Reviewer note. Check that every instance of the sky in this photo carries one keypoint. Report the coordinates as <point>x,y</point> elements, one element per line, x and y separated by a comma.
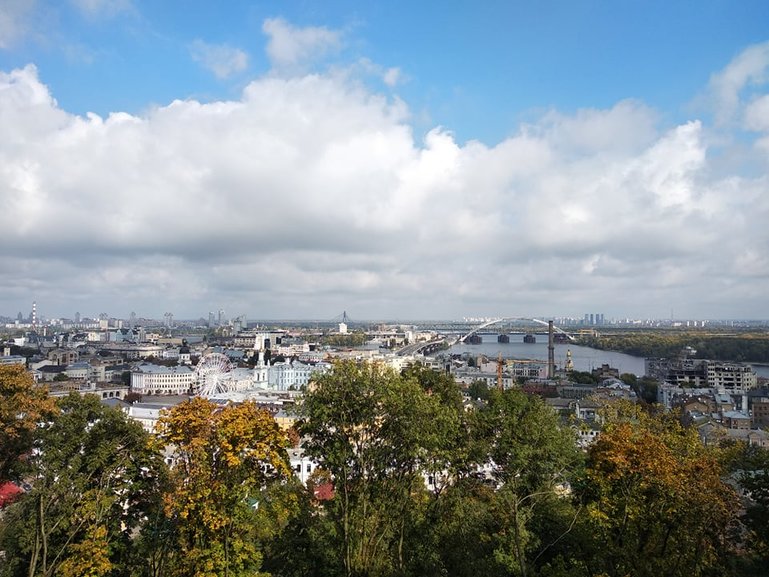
<point>394,160</point>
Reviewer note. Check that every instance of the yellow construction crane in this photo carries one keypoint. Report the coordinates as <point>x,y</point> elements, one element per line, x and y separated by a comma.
<point>500,364</point>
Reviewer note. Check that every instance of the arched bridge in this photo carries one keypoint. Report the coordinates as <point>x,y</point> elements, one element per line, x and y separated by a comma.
<point>442,342</point>
<point>500,320</point>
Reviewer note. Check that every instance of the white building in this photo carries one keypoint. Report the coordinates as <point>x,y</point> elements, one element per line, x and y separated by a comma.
<point>302,465</point>
<point>293,375</point>
<point>149,379</point>
<point>80,370</point>
<point>13,360</point>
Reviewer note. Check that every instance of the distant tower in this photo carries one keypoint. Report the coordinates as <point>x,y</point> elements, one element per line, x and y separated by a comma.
<point>569,363</point>
<point>77,317</point>
<point>550,351</point>
<point>33,316</point>
<point>132,320</point>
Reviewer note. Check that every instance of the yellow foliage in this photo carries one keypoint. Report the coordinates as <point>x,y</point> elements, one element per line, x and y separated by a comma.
<point>224,458</point>
<point>89,558</point>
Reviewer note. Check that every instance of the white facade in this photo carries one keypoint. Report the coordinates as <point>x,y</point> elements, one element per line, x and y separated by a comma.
<point>302,465</point>
<point>80,371</point>
<point>293,375</point>
<point>171,353</point>
<point>13,360</point>
<point>149,379</point>
<point>146,415</point>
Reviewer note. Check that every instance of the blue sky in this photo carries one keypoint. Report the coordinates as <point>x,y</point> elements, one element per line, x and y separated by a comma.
<point>476,68</point>
<point>579,155</point>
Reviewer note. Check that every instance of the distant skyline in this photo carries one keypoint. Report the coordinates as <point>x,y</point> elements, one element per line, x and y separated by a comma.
<point>396,160</point>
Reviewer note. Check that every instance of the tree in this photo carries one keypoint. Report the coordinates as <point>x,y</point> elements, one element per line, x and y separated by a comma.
<point>224,459</point>
<point>531,459</point>
<point>23,405</point>
<point>95,476</point>
<point>656,500</point>
<point>749,465</point>
<point>478,389</point>
<point>375,432</point>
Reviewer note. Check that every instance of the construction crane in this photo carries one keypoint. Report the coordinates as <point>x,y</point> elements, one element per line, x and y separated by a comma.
<point>500,364</point>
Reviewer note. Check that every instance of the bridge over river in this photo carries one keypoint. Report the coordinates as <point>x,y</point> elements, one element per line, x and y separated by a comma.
<point>447,341</point>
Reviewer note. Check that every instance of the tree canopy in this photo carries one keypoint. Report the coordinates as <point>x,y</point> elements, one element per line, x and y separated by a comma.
<point>411,480</point>
<point>23,405</point>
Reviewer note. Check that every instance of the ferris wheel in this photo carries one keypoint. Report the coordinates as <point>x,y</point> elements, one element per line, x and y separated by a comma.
<point>212,371</point>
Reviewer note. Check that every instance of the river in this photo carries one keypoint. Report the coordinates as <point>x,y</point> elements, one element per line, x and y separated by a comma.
<point>584,358</point>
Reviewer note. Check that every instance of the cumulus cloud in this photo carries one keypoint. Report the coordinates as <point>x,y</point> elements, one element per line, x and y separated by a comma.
<point>222,60</point>
<point>289,46</point>
<point>311,194</point>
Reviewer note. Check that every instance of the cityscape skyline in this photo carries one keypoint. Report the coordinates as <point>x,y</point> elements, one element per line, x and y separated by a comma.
<point>221,318</point>
<point>292,161</point>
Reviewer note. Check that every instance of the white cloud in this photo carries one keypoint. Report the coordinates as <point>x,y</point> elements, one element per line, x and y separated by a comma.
<point>14,20</point>
<point>103,8</point>
<point>222,60</point>
<point>757,114</point>
<point>749,68</point>
<point>289,46</point>
<point>392,76</point>
<point>310,194</point>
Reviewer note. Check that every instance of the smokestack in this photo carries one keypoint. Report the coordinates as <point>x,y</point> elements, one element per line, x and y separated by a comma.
<point>550,351</point>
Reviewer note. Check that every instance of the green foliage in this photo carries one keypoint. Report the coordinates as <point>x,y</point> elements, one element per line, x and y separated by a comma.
<point>582,378</point>
<point>355,339</point>
<point>749,466</point>
<point>669,344</point>
<point>533,459</point>
<point>371,429</point>
<point>509,493</point>
<point>95,476</point>
<point>478,390</point>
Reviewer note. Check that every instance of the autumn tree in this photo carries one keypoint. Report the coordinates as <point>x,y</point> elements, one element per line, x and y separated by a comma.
<point>95,475</point>
<point>656,500</point>
<point>224,460</point>
<point>23,405</point>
